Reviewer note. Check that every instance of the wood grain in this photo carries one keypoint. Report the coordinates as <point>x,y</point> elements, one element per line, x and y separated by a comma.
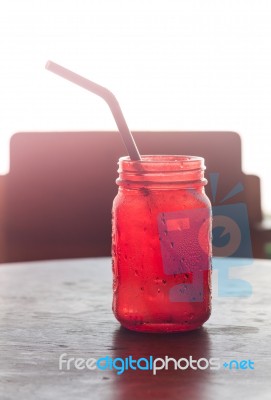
<point>53,307</point>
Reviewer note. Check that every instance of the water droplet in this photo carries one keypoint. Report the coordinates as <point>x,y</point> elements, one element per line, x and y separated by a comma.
<point>158,290</point>
<point>142,288</point>
<point>172,244</point>
<point>144,191</point>
<point>164,281</point>
<point>183,289</point>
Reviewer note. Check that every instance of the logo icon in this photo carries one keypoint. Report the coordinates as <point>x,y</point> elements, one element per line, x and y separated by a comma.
<point>184,239</point>
<point>231,240</point>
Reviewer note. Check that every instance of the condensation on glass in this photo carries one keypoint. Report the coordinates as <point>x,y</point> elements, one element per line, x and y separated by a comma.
<point>161,244</point>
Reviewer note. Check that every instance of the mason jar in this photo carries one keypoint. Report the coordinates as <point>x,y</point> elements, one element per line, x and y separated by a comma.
<point>161,244</point>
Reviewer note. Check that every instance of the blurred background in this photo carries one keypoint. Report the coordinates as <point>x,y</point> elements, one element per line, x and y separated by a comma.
<point>173,65</point>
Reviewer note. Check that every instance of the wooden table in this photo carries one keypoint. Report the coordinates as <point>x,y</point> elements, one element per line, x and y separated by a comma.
<point>54,307</point>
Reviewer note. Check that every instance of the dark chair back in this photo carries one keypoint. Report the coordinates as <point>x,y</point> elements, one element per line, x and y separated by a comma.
<point>60,188</point>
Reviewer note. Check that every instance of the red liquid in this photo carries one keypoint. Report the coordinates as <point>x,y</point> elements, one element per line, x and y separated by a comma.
<point>161,256</point>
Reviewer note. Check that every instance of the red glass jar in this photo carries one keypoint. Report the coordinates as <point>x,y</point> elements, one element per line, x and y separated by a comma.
<point>161,244</point>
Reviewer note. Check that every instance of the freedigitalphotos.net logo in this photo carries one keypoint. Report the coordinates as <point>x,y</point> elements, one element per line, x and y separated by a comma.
<point>120,365</point>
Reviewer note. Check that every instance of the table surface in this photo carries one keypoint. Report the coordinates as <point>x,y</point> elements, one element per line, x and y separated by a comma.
<point>53,307</point>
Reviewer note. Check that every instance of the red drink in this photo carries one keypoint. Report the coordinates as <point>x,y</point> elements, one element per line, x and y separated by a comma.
<point>161,244</point>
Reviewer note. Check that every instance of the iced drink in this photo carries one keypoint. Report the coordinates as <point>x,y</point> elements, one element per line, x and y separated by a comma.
<point>161,244</point>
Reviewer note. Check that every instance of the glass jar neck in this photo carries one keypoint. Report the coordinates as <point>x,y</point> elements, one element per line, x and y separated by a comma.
<point>162,171</point>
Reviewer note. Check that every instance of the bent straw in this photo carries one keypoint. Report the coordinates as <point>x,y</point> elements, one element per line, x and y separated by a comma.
<point>109,98</point>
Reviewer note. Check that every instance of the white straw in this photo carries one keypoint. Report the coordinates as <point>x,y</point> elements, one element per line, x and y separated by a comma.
<point>108,97</point>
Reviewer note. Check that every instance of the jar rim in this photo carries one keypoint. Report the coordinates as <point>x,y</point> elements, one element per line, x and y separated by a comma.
<point>162,170</point>
<point>156,158</point>
<point>160,162</point>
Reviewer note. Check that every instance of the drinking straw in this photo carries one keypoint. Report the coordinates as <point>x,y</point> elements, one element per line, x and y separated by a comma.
<point>109,98</point>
